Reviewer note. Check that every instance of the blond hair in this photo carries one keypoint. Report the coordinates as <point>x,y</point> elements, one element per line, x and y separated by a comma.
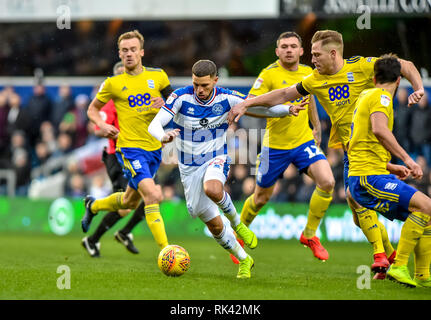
<point>329,37</point>
<point>131,35</point>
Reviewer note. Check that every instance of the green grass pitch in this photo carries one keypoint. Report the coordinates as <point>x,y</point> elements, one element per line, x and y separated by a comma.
<point>284,270</point>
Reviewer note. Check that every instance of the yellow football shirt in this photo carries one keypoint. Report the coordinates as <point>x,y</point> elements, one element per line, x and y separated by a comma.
<point>288,132</point>
<point>131,95</point>
<point>366,154</point>
<point>338,94</point>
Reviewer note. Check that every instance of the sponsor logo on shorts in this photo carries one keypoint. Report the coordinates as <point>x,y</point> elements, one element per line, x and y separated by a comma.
<point>136,164</point>
<point>391,186</point>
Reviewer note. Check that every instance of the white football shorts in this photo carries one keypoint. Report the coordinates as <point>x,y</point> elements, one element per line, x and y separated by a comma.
<point>198,203</point>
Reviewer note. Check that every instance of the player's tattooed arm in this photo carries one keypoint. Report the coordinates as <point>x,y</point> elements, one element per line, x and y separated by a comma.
<point>268,99</point>
<point>315,121</point>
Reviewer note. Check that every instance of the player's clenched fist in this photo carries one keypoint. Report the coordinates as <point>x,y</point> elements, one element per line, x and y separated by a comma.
<point>416,170</point>
<point>109,131</point>
<point>416,96</point>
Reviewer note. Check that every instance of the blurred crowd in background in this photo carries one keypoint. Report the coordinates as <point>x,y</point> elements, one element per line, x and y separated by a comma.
<point>43,129</point>
<point>239,47</point>
<point>57,53</point>
<point>46,129</point>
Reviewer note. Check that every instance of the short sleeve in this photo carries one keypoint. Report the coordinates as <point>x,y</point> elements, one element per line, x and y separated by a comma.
<point>307,84</point>
<point>164,81</point>
<point>382,103</point>
<point>261,85</point>
<point>172,104</point>
<point>367,66</point>
<point>105,93</point>
<point>235,97</point>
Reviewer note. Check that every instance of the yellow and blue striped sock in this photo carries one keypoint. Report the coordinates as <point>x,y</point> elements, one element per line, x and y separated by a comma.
<point>411,232</point>
<point>155,223</point>
<point>319,203</point>
<point>249,211</point>
<point>423,255</point>
<point>113,202</point>
<point>369,225</point>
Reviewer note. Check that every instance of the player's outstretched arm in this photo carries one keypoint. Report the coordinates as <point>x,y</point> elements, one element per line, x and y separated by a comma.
<point>268,99</point>
<point>106,130</point>
<point>278,111</point>
<point>156,127</point>
<point>315,121</point>
<point>411,73</point>
<point>379,125</point>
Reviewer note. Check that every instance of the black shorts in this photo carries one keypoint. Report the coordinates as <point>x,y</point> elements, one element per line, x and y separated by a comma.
<point>115,172</point>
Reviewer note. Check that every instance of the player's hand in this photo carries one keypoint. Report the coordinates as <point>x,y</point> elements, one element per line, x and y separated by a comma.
<point>236,112</point>
<point>109,131</point>
<point>170,135</point>
<point>415,97</point>
<point>415,169</point>
<point>158,102</point>
<point>294,109</point>
<point>401,172</point>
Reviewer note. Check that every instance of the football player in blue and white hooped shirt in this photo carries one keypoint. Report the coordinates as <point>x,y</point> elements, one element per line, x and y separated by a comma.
<point>199,114</point>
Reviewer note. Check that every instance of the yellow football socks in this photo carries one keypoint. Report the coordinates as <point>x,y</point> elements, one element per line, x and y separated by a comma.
<point>411,232</point>
<point>389,249</point>
<point>369,225</point>
<point>423,255</point>
<point>319,203</point>
<point>249,211</point>
<point>155,223</point>
<point>111,203</point>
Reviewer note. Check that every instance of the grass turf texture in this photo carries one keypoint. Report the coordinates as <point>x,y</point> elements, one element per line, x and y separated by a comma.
<point>283,270</point>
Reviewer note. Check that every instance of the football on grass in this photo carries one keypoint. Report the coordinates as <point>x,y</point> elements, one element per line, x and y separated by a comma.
<point>174,260</point>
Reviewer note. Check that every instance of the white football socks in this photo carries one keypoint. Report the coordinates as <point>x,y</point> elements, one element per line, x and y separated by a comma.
<point>228,241</point>
<point>226,205</point>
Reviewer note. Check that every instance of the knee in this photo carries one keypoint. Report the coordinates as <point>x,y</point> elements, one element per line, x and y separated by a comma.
<point>327,185</point>
<point>215,194</point>
<point>154,196</point>
<point>427,208</point>
<point>123,212</point>
<point>216,229</point>
<point>215,226</point>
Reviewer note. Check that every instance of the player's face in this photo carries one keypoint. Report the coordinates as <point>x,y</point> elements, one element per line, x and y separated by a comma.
<point>131,53</point>
<point>322,58</point>
<point>289,51</point>
<point>204,86</point>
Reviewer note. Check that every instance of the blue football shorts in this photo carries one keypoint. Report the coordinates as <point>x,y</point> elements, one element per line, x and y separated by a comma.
<point>138,164</point>
<point>385,194</point>
<point>273,162</point>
